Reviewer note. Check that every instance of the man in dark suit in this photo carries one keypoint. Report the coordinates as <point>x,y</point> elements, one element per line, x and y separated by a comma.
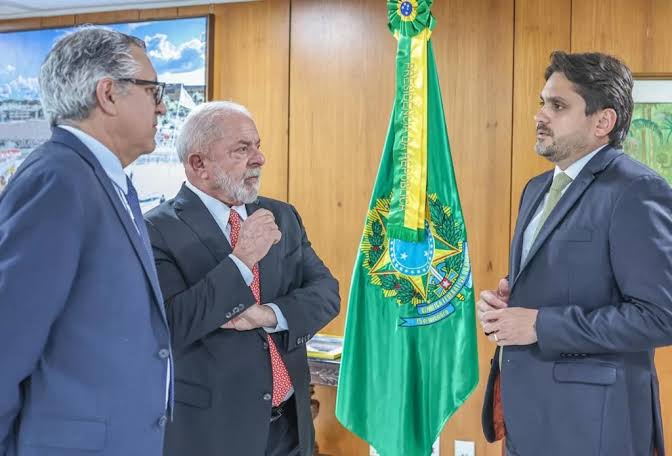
<point>244,292</point>
<point>589,292</point>
<point>84,342</point>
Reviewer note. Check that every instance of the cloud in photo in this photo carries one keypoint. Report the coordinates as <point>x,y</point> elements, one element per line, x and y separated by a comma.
<point>21,89</point>
<point>169,58</point>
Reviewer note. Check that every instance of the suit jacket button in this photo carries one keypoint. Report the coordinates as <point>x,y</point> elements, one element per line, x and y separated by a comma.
<point>163,420</point>
<point>268,397</point>
<point>164,353</point>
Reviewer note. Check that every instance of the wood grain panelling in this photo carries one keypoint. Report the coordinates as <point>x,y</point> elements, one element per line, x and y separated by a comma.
<point>251,58</point>
<point>541,27</point>
<point>58,21</point>
<point>341,93</point>
<point>108,18</point>
<point>20,24</point>
<point>473,42</point>
<point>342,90</point>
<point>638,31</point>
<point>199,10</point>
<point>157,13</point>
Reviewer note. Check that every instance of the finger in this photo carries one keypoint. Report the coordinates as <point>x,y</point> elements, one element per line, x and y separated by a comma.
<point>261,214</point>
<point>503,288</point>
<point>493,300</point>
<point>485,307</point>
<point>227,325</point>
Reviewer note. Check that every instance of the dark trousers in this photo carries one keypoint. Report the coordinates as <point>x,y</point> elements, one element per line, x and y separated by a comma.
<point>283,438</point>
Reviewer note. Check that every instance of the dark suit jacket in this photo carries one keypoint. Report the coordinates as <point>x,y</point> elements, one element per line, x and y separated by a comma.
<point>600,273</point>
<point>223,377</point>
<point>82,324</point>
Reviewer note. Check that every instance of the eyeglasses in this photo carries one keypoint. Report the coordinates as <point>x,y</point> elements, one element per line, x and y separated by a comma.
<point>158,89</point>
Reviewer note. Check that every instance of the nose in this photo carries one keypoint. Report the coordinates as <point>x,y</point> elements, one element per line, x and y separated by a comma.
<point>161,108</point>
<point>540,116</point>
<point>258,158</point>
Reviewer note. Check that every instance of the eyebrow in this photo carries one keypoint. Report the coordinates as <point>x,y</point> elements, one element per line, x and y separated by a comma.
<point>553,100</point>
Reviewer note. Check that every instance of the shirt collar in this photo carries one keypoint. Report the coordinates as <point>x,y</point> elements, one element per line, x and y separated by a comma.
<point>218,209</point>
<point>575,168</point>
<point>110,162</point>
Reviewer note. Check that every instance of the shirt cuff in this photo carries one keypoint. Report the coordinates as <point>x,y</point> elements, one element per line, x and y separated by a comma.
<point>244,270</point>
<point>282,321</point>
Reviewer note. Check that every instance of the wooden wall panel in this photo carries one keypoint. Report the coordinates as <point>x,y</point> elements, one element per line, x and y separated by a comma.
<point>341,93</point>
<point>251,58</point>
<point>342,89</point>
<point>57,21</point>
<point>638,31</point>
<point>473,42</point>
<point>108,18</point>
<point>541,27</point>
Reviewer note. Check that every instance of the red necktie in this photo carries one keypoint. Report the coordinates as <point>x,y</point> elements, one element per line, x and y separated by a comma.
<point>282,383</point>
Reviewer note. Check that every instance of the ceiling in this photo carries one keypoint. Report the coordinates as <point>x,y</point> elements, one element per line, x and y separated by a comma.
<point>11,9</point>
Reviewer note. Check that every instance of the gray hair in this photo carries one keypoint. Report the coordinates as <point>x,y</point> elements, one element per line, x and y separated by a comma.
<point>76,63</point>
<point>202,127</point>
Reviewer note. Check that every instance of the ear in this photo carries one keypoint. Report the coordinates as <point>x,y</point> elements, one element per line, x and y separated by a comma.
<point>606,121</point>
<point>107,96</point>
<point>197,165</point>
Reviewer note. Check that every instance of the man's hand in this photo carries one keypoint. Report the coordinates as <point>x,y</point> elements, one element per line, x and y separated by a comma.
<point>257,234</point>
<point>504,325</point>
<point>493,299</point>
<point>511,326</point>
<point>254,317</point>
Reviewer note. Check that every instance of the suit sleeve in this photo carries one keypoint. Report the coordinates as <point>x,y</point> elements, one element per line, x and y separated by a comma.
<point>195,311</point>
<point>309,307</point>
<point>640,239</point>
<point>41,235</point>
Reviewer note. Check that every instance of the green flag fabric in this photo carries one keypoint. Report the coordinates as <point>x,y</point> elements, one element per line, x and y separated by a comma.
<point>410,356</point>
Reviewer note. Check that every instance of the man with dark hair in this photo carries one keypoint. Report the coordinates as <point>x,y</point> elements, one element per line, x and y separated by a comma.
<point>588,296</point>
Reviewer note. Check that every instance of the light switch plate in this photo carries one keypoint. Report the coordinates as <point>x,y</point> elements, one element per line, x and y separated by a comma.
<point>465,448</point>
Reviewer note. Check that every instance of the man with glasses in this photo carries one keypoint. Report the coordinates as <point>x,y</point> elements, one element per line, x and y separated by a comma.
<point>84,342</point>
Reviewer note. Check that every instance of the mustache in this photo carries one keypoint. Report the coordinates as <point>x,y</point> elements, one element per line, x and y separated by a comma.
<point>544,130</point>
<point>255,172</point>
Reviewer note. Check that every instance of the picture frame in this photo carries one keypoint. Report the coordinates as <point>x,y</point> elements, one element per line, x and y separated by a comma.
<point>180,51</point>
<point>650,137</point>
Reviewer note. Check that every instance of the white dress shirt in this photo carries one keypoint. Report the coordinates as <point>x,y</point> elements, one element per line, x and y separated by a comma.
<point>572,171</point>
<point>112,167</point>
<point>220,212</point>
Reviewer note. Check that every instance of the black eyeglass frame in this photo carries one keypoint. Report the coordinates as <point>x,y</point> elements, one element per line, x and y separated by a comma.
<point>159,90</point>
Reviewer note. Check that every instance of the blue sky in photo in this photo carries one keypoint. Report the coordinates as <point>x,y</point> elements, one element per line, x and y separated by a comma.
<point>175,47</point>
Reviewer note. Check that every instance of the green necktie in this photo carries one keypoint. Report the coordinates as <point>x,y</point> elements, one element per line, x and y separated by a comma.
<point>560,181</point>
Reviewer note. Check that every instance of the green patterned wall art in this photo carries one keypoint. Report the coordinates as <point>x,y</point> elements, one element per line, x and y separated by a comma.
<point>650,136</point>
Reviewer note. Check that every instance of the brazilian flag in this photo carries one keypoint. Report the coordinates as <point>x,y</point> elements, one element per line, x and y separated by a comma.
<point>410,357</point>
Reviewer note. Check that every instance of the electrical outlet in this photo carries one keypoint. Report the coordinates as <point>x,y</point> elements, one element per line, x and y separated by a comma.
<point>465,448</point>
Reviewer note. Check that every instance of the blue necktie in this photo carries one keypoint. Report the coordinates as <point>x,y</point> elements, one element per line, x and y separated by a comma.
<point>134,203</point>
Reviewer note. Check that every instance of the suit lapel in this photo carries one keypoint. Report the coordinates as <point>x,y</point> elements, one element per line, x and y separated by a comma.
<point>70,140</point>
<point>571,197</point>
<point>193,212</point>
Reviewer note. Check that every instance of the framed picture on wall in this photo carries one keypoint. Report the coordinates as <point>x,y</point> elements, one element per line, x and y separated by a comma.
<point>650,136</point>
<point>178,49</point>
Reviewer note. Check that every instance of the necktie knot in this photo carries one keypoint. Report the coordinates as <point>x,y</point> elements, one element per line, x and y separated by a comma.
<point>560,181</point>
